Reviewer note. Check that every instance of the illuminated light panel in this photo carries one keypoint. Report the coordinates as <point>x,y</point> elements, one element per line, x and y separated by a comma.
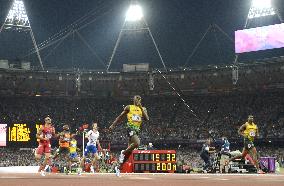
<point>17,16</point>
<point>134,13</point>
<point>260,8</point>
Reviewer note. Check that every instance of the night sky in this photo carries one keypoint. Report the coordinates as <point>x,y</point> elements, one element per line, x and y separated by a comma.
<point>177,26</point>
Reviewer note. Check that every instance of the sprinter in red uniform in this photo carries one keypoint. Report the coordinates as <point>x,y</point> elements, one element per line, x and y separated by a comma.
<point>44,135</point>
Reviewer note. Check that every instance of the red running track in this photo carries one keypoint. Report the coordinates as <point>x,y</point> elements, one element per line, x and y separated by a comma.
<point>142,179</point>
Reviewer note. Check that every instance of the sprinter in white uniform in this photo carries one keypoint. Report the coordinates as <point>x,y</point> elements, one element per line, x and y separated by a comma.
<point>91,149</point>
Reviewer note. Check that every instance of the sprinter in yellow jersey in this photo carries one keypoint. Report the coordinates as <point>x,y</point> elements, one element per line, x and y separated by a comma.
<point>73,148</point>
<point>73,157</point>
<point>135,114</point>
<point>249,131</point>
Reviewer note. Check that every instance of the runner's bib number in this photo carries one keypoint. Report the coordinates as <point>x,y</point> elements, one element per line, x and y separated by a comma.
<point>131,133</point>
<point>66,139</point>
<point>252,133</point>
<point>136,118</point>
<point>48,135</point>
<point>250,145</point>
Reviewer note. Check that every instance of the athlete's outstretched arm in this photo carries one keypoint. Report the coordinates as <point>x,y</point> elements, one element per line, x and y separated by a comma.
<point>39,133</point>
<point>145,114</point>
<point>88,134</point>
<point>144,111</point>
<point>53,131</point>
<point>257,132</point>
<point>99,145</point>
<point>242,129</point>
<point>120,117</point>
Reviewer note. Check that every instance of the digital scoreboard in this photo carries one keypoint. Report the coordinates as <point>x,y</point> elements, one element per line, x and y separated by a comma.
<point>153,161</point>
<point>19,135</point>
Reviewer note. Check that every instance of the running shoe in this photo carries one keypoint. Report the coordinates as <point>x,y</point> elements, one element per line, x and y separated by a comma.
<point>260,172</point>
<point>42,173</point>
<point>117,171</point>
<point>79,171</point>
<point>92,170</point>
<point>121,157</point>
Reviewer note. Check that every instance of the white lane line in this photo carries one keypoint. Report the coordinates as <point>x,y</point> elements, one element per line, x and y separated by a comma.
<point>11,177</point>
<point>222,179</point>
<point>140,178</point>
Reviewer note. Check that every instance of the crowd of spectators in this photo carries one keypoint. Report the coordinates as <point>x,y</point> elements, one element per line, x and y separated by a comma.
<point>170,119</point>
<point>16,157</point>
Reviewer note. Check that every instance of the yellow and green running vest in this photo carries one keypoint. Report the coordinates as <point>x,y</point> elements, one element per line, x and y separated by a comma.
<point>134,117</point>
<point>250,131</point>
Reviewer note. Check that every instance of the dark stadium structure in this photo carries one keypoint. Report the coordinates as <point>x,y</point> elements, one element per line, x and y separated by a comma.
<point>208,90</point>
<point>84,63</point>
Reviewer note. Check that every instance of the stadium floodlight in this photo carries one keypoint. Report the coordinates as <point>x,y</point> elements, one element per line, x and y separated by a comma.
<point>261,4</point>
<point>134,22</point>
<point>260,8</point>
<point>134,13</point>
<point>17,17</point>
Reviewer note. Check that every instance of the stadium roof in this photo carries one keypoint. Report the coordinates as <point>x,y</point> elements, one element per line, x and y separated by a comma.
<point>177,25</point>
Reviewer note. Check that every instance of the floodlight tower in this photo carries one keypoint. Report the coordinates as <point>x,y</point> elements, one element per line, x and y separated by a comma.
<point>258,8</point>
<point>17,20</point>
<point>134,21</point>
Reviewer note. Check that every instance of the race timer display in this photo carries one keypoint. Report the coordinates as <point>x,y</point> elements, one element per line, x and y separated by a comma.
<point>154,160</point>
